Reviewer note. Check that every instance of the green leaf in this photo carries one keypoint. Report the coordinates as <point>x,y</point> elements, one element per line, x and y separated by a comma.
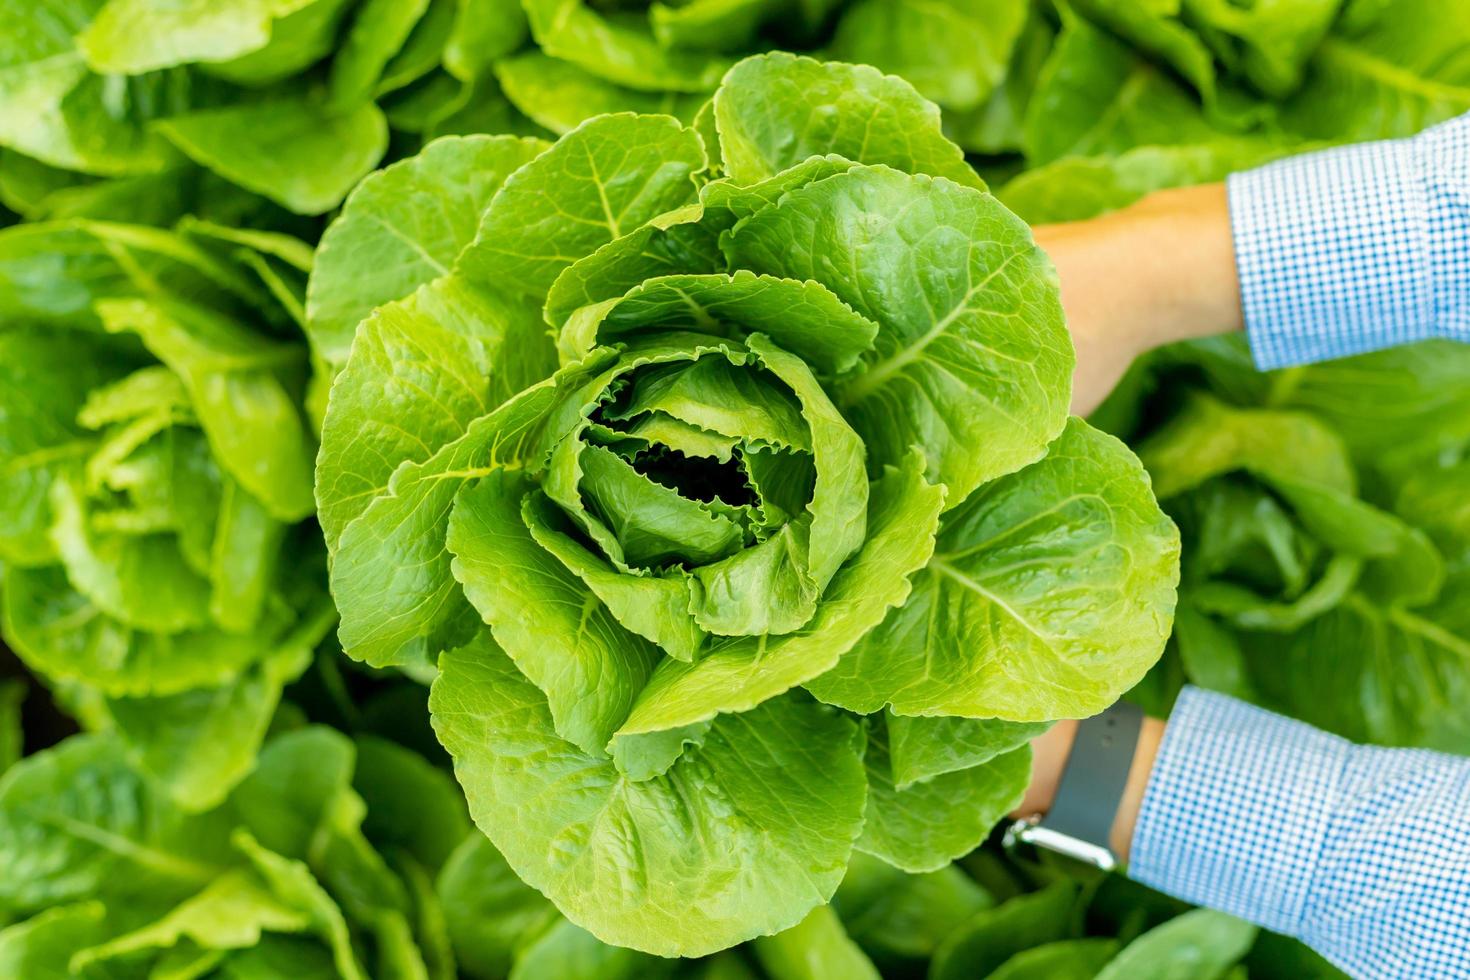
<point>994,935</point>
<point>921,748</point>
<point>391,578</point>
<point>231,912</point>
<point>305,34</point>
<point>77,822</point>
<point>411,804</point>
<point>243,564</point>
<point>52,109</point>
<point>1392,80</point>
<point>716,25</point>
<point>996,125</point>
<point>293,885</point>
<point>45,377</point>
<point>654,524</point>
<point>655,607</point>
<point>421,53</point>
<point>893,914</point>
<point>1201,943</point>
<point>1208,439</point>
<point>953,52</point>
<point>484,32</point>
<point>61,635</point>
<point>201,742</point>
<point>1152,29</point>
<point>569,952</point>
<point>555,629</point>
<point>233,376</point>
<point>1393,408</point>
<point>804,318</point>
<point>669,244</point>
<point>1096,97</point>
<point>1009,567</point>
<point>561,96</point>
<point>379,30</point>
<point>130,37</point>
<point>141,580</point>
<point>789,768</point>
<point>12,735</point>
<point>724,397</point>
<point>1078,188</point>
<point>1271,43</point>
<point>926,825</point>
<point>292,151</point>
<point>949,370</point>
<point>815,948</point>
<point>445,355</point>
<point>618,50</point>
<point>774,111</point>
<point>602,180</point>
<point>1211,654</point>
<point>1069,959</point>
<point>401,228</point>
<point>53,273</point>
<point>1369,673</point>
<point>279,956</point>
<point>738,673</point>
<point>490,912</point>
<point>41,947</point>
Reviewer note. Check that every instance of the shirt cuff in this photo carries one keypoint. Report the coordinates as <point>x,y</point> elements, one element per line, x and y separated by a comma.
<point>1237,809</point>
<point>1355,248</point>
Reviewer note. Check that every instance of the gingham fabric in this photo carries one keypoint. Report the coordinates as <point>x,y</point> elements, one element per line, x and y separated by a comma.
<point>1363,853</point>
<point>1355,248</point>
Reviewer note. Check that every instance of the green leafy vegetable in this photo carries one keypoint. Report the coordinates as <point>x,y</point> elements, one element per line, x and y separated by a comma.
<point>771,387</point>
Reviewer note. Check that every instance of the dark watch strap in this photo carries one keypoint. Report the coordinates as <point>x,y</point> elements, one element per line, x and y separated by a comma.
<point>1096,775</point>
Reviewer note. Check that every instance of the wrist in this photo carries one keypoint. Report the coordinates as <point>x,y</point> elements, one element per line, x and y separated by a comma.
<point>1051,752</point>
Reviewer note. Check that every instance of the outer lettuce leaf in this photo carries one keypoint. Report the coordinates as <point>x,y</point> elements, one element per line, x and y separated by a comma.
<point>695,882</point>
<point>304,157</point>
<point>953,53</point>
<point>924,826</point>
<point>775,111</point>
<point>1009,569</point>
<point>405,225</point>
<point>940,373</point>
<point>561,96</point>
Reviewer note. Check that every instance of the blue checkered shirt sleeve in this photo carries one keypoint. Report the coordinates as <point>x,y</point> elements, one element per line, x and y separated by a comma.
<point>1355,248</point>
<point>1361,852</point>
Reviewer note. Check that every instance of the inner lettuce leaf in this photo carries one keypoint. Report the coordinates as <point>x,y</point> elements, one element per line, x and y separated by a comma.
<point>679,441</point>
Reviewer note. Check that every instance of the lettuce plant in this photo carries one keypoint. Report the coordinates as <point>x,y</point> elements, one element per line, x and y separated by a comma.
<point>158,469</point>
<point>719,432</point>
<point>1282,554</point>
<point>312,867</point>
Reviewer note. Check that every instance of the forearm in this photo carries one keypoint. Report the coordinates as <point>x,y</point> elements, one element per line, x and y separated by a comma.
<point>1362,852</point>
<point>1159,271</point>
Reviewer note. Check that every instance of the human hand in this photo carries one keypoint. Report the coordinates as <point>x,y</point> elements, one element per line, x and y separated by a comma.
<point>1153,273</point>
